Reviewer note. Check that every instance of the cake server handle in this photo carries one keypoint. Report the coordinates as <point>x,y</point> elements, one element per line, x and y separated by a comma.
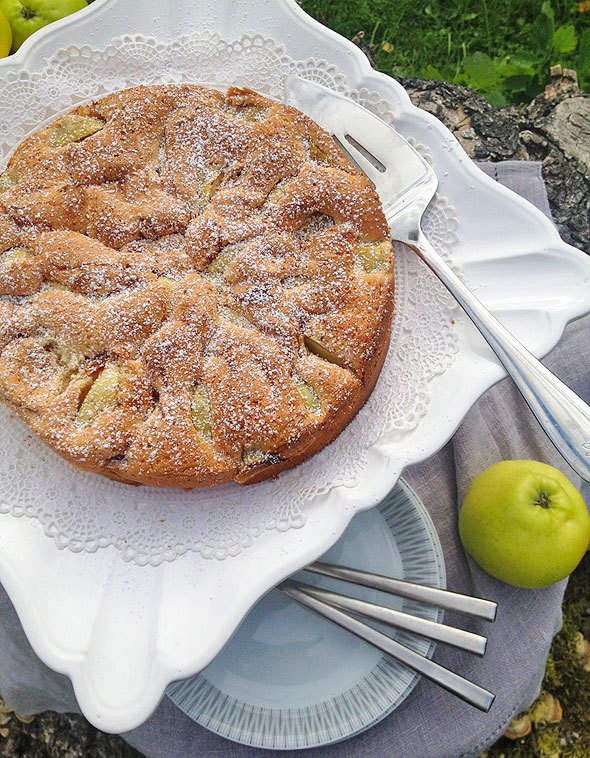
<point>562,414</point>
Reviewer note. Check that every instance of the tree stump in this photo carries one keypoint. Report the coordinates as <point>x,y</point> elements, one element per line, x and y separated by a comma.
<point>553,129</point>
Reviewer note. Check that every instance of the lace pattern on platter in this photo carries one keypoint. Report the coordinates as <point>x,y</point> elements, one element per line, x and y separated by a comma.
<point>84,512</point>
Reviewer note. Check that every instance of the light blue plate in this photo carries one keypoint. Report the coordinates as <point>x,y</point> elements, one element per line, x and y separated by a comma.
<point>290,679</point>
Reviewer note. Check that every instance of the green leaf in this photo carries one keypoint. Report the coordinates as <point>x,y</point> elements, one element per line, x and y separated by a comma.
<point>524,61</point>
<point>497,98</point>
<point>481,71</point>
<point>513,68</point>
<point>583,65</point>
<point>564,39</point>
<point>514,85</point>
<point>431,72</point>
<point>542,28</point>
<point>547,11</point>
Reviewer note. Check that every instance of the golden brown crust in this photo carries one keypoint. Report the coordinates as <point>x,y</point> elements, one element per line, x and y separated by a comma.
<point>194,287</point>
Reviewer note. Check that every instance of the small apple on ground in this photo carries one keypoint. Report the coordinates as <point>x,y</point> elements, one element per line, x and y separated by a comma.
<point>5,36</point>
<point>26,16</point>
<point>525,523</point>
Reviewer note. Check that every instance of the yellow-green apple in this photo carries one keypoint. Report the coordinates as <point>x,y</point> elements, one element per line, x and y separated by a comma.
<point>26,16</point>
<point>5,36</point>
<point>525,523</point>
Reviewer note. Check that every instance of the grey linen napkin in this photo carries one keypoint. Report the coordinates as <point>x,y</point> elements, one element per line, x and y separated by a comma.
<point>430,723</point>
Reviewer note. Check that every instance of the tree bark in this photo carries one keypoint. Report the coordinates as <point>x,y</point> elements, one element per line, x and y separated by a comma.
<point>553,129</point>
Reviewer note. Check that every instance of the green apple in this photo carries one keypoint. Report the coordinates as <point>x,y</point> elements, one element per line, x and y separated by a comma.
<point>26,16</point>
<point>525,523</point>
<point>5,36</point>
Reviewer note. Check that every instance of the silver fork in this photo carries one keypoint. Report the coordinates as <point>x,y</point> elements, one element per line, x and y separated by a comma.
<point>406,184</point>
<point>338,608</point>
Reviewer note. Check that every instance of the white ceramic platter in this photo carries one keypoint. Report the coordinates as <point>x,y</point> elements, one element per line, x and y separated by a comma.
<point>123,631</point>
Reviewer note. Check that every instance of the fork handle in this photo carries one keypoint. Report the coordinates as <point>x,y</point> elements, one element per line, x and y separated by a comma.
<point>563,415</point>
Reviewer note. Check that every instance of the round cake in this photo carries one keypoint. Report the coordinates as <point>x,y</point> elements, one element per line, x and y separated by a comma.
<point>195,287</point>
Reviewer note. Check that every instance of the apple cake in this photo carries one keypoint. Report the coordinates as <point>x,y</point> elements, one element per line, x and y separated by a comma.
<point>195,286</point>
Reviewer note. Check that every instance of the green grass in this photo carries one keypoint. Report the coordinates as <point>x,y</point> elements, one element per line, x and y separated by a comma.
<point>501,48</point>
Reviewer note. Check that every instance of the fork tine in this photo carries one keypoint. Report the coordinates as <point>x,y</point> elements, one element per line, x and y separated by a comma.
<point>472,643</point>
<point>347,153</point>
<point>468,691</point>
<point>355,155</point>
<point>375,162</point>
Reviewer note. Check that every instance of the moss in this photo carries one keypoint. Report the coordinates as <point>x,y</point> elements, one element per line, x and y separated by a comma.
<point>566,679</point>
<point>552,674</point>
